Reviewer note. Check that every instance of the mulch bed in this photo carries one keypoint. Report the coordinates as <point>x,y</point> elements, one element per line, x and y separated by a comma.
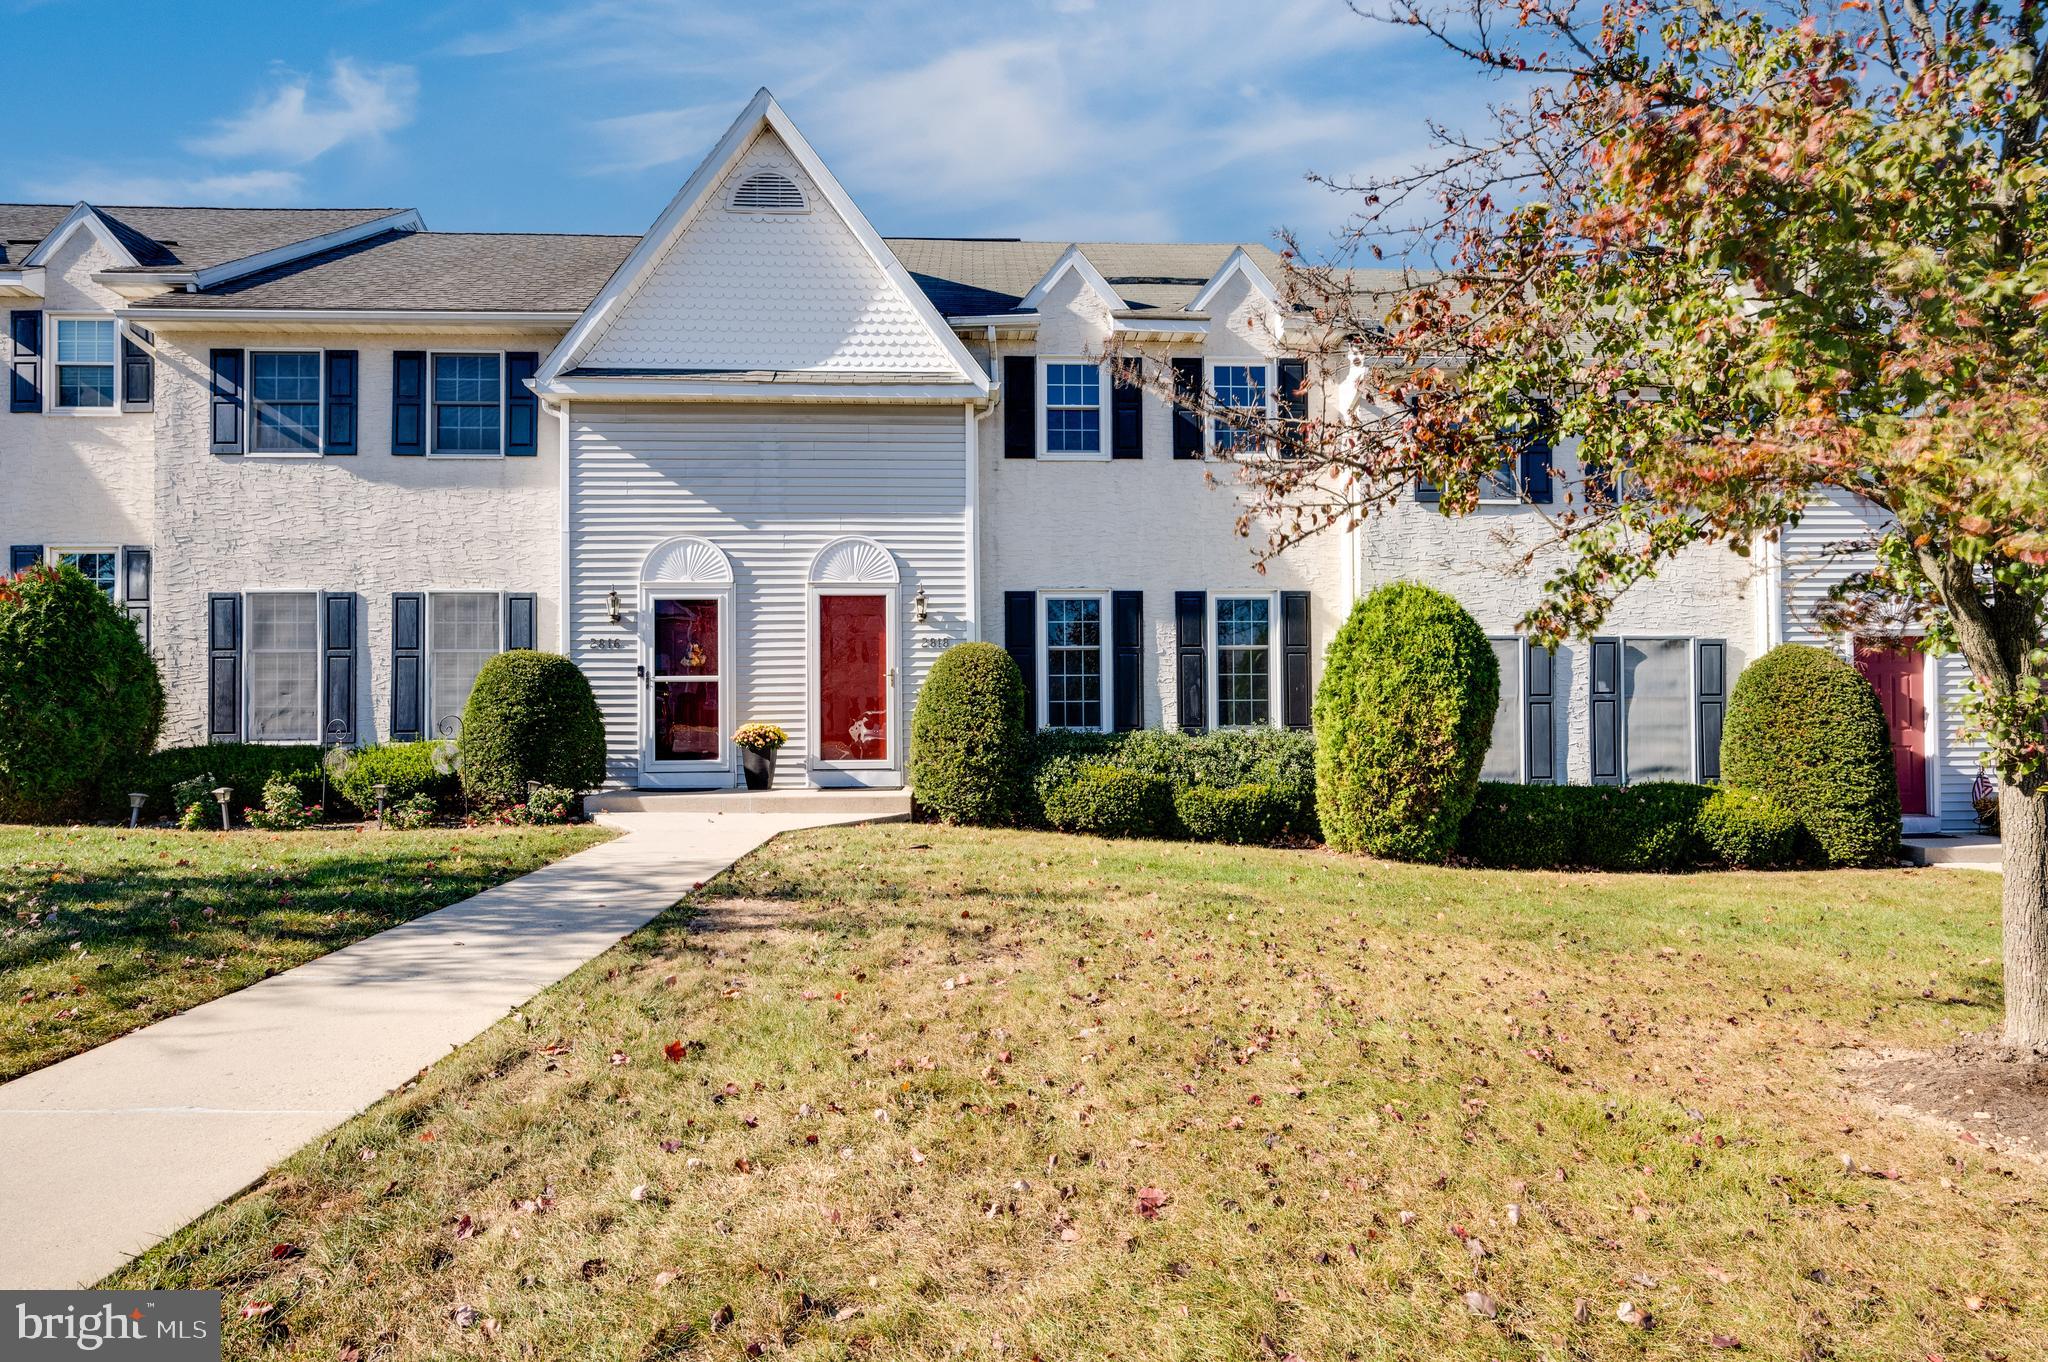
<point>1986,1093</point>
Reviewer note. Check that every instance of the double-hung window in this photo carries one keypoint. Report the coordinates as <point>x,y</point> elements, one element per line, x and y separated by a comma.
<point>85,362</point>
<point>100,566</point>
<point>1239,388</point>
<point>462,635</point>
<point>467,390</point>
<point>284,396</point>
<point>1656,706</point>
<point>1244,661</point>
<point>1075,661</point>
<point>284,666</point>
<point>1073,409</point>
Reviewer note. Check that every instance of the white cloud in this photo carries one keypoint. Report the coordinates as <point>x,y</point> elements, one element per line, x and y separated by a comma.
<point>639,141</point>
<point>297,123</point>
<point>112,186</point>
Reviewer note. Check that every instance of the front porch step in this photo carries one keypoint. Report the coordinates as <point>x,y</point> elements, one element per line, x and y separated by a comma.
<point>878,806</point>
<point>1972,850</point>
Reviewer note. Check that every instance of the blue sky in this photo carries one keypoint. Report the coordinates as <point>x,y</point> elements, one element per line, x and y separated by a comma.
<point>1065,119</point>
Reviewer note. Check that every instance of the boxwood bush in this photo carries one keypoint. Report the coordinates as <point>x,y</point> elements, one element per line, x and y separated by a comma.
<point>1526,827</point>
<point>531,716</point>
<point>1805,728</point>
<point>1403,718</point>
<point>1252,814</point>
<point>969,738</point>
<point>1658,825</point>
<point>80,699</point>
<point>1279,758</point>
<point>244,767</point>
<point>1642,827</point>
<point>1748,829</point>
<point>1110,801</point>
<point>405,769</point>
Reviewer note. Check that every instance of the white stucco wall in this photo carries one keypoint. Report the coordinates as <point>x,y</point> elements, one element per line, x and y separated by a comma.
<point>370,523</point>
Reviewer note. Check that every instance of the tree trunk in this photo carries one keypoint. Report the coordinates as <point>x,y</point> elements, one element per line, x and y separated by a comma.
<point>2023,828</point>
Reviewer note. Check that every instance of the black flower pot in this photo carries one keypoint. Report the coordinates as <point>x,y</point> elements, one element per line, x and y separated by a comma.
<point>759,767</point>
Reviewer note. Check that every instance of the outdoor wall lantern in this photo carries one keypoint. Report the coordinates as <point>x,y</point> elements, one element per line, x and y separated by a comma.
<point>223,793</point>
<point>611,606</point>
<point>919,607</point>
<point>135,802</point>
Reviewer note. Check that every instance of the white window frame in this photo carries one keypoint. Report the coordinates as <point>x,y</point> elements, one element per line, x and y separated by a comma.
<point>1209,369</point>
<point>1494,492</point>
<point>50,383</point>
<point>248,668</point>
<point>320,419</point>
<point>53,554</point>
<point>1108,655</point>
<point>428,718</point>
<point>432,434</point>
<point>1626,697</point>
<point>1102,411</point>
<point>1275,683</point>
<point>1521,702</point>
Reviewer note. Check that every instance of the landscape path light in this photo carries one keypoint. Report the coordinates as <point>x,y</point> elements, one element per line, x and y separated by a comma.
<point>223,793</point>
<point>136,800</point>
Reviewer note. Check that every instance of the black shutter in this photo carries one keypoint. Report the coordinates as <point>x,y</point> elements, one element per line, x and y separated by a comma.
<point>1127,413</point>
<point>25,361</point>
<point>408,639</point>
<point>519,621</point>
<point>1427,491</point>
<point>338,666</point>
<point>522,405</point>
<point>1295,694</point>
<point>1606,711</point>
<point>21,556</point>
<point>227,369</point>
<point>1290,403</point>
<point>1536,469</point>
<point>138,372</point>
<point>1020,406</point>
<point>1187,423</point>
<point>339,430</point>
<point>1020,639</point>
<point>1539,716</point>
<point>409,402</point>
<point>224,666</point>
<point>135,583</point>
<point>1191,654</point>
<point>1127,674</point>
<point>1713,703</point>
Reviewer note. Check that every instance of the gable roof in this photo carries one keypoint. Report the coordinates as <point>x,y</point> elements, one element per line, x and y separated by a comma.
<point>968,277</point>
<point>160,238</point>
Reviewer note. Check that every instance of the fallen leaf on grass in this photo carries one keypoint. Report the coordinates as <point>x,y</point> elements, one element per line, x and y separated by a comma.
<point>1482,1305</point>
<point>674,1051</point>
<point>1723,1341</point>
<point>1150,1199</point>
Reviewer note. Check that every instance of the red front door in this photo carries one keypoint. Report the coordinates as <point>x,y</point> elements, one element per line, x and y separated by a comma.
<point>1899,676</point>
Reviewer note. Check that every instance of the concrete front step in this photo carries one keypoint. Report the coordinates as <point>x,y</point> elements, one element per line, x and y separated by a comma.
<point>875,806</point>
<point>1975,852</point>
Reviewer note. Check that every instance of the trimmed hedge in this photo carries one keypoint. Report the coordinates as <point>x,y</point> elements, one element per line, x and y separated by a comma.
<point>1279,758</point>
<point>531,716</point>
<point>1403,718</point>
<point>1110,801</point>
<point>80,699</point>
<point>969,738</point>
<point>1748,829</point>
<point>1804,727</point>
<point>245,767</point>
<point>1643,827</point>
<point>1658,825</point>
<point>404,768</point>
<point>1252,814</point>
<point>1526,827</point>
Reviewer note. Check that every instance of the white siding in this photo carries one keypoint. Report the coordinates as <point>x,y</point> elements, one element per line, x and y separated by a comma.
<point>770,486</point>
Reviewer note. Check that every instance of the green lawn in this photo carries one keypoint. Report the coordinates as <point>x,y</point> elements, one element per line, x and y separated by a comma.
<point>906,1092</point>
<point>106,930</point>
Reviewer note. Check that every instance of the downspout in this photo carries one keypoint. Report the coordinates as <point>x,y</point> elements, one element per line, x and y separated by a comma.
<point>564,609</point>
<point>973,515</point>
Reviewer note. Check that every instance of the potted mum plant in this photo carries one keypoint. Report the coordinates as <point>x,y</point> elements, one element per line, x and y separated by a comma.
<point>758,744</point>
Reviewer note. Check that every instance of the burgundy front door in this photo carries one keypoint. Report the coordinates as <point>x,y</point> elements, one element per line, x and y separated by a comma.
<point>1899,676</point>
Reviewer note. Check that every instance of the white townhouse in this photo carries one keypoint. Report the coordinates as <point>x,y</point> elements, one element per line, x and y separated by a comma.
<point>758,463</point>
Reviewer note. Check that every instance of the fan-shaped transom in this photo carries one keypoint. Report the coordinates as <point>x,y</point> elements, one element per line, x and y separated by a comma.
<point>853,561</point>
<point>687,561</point>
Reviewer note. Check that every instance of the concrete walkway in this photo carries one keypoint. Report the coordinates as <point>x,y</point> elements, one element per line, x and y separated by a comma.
<point>107,1152</point>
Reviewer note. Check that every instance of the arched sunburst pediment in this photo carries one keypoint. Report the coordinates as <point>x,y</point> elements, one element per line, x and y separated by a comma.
<point>687,561</point>
<point>853,561</point>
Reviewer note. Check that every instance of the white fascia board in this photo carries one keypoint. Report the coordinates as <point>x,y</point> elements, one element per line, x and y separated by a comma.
<point>405,220</point>
<point>83,215</point>
<point>385,318</point>
<point>18,284</point>
<point>1164,326</point>
<point>1002,321</point>
<point>1238,262</point>
<point>1072,259</point>
<point>131,284</point>
<point>761,112</point>
<point>673,390</point>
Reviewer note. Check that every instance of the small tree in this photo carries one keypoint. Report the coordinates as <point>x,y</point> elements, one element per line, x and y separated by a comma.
<point>531,717</point>
<point>1402,720</point>
<point>80,700</point>
<point>969,739</point>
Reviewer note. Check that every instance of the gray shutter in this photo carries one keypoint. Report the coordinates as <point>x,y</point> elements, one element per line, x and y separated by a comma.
<point>338,666</point>
<point>519,622</point>
<point>409,402</point>
<point>408,645</point>
<point>138,372</point>
<point>25,361</point>
<point>1020,640</point>
<point>1127,675</point>
<point>338,431</point>
<point>1191,658</point>
<point>1605,711</point>
<point>1127,413</point>
<point>227,367</point>
<point>1713,705</point>
<point>1295,695</point>
<point>224,667</point>
<point>1541,713</point>
<point>1187,423</point>
<point>136,571</point>
<point>1020,406</point>
<point>21,556</point>
<point>522,405</point>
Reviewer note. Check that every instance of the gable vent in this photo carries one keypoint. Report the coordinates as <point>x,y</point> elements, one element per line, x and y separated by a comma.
<point>768,191</point>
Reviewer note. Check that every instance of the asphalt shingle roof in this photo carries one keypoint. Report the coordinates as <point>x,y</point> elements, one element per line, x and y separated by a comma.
<point>977,277</point>
<point>181,238</point>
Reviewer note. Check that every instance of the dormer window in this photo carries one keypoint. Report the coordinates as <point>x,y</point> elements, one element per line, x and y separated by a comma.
<point>768,191</point>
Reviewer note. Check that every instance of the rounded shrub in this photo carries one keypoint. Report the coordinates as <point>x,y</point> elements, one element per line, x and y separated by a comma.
<point>1111,802</point>
<point>404,769</point>
<point>80,700</point>
<point>1748,829</point>
<point>1252,814</point>
<point>530,717</point>
<point>1805,728</point>
<point>970,741</point>
<point>1402,721</point>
